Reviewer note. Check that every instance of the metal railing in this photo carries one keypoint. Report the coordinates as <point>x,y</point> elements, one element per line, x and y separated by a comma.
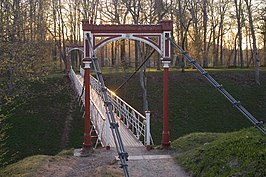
<point>137,123</point>
<point>77,83</point>
<point>132,119</point>
<point>98,116</point>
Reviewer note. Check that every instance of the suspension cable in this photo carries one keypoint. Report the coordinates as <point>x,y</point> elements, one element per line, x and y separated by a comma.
<point>123,155</point>
<point>124,83</point>
<point>220,88</point>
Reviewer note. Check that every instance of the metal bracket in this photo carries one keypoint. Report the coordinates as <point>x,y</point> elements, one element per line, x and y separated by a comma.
<point>259,123</point>
<point>124,155</point>
<point>237,103</point>
<point>114,125</point>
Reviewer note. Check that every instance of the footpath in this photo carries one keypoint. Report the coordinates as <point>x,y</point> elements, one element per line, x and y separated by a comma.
<point>141,163</point>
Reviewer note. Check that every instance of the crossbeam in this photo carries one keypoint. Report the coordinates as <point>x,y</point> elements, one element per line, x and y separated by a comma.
<point>165,25</point>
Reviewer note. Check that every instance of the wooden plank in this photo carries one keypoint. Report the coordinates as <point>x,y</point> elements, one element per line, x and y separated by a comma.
<point>129,140</point>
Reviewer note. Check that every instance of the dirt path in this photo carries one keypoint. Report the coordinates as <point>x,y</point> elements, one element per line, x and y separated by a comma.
<point>154,163</point>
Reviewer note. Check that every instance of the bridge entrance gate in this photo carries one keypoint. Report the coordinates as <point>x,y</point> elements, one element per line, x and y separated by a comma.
<point>157,36</point>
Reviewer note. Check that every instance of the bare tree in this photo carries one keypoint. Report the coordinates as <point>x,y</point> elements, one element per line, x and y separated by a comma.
<point>23,44</point>
<point>263,30</point>
<point>194,7</point>
<point>90,9</point>
<point>205,20</point>
<point>239,14</point>
<point>183,22</point>
<point>255,51</point>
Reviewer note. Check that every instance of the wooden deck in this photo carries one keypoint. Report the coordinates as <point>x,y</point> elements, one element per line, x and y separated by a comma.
<point>129,140</point>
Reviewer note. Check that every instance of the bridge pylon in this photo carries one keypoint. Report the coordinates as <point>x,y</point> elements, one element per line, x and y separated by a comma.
<point>165,135</point>
<point>157,36</point>
<point>87,142</point>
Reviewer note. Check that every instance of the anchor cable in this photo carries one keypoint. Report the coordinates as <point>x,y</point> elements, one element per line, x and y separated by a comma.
<point>123,155</point>
<point>146,59</point>
<point>220,88</point>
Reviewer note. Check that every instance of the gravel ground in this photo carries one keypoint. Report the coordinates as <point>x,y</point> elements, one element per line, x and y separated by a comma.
<point>154,167</point>
<point>103,163</point>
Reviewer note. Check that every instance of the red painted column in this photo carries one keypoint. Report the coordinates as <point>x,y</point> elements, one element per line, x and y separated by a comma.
<point>87,144</point>
<point>165,134</point>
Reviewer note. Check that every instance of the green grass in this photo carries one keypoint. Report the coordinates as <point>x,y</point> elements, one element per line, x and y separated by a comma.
<point>35,119</point>
<point>194,105</point>
<point>29,166</point>
<point>194,140</point>
<point>241,153</point>
<point>26,167</point>
<point>32,123</point>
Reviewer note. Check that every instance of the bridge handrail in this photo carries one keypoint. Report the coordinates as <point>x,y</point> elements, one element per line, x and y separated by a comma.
<point>76,81</point>
<point>99,122</point>
<point>81,71</point>
<point>98,110</point>
<point>93,79</point>
<point>97,117</point>
<point>134,120</point>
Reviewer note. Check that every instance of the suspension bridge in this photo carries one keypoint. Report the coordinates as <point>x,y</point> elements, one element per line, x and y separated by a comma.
<point>116,123</point>
<point>133,126</point>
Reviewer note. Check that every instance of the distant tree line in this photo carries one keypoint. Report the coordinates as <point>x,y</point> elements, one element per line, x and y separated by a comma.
<point>217,33</point>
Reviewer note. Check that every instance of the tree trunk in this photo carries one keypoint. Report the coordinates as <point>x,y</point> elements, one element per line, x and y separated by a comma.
<point>129,54</point>
<point>123,54</point>
<point>264,47</point>
<point>235,51</point>
<point>143,84</point>
<point>255,52</point>
<point>239,26</point>
<point>197,40</point>
<point>158,11</point>
<point>247,49</point>
<point>55,32</point>
<point>205,52</point>
<point>214,36</point>
<point>220,36</point>
<point>113,55</point>
<point>264,42</point>
<point>136,54</point>
<point>143,79</point>
<point>181,23</point>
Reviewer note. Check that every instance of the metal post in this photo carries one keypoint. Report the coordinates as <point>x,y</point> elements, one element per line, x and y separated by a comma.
<point>165,134</point>
<point>87,144</point>
<point>107,131</point>
<point>148,134</point>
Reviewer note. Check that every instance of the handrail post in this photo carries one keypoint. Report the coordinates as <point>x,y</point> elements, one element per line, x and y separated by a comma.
<point>148,134</point>
<point>107,129</point>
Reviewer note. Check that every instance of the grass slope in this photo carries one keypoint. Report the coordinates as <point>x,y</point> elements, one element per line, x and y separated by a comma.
<point>241,153</point>
<point>35,119</point>
<point>26,167</point>
<point>194,105</point>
